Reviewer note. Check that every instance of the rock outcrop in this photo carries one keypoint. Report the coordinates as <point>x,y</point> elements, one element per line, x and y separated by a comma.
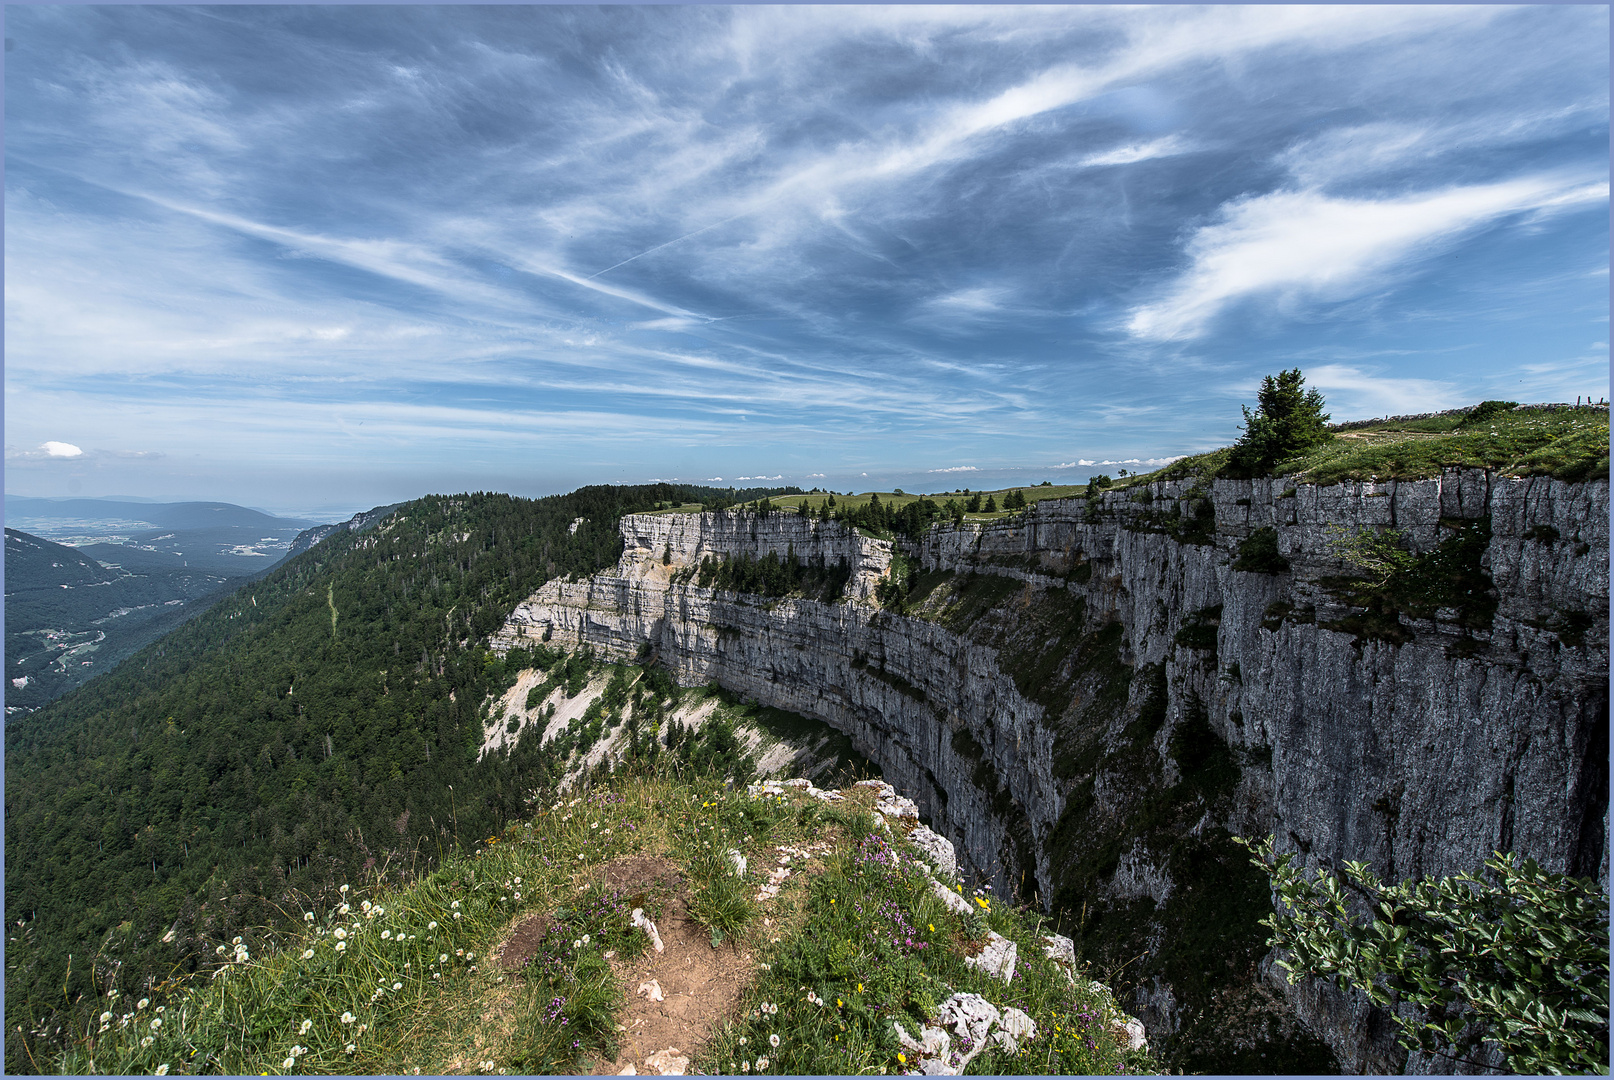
<point>1088,698</point>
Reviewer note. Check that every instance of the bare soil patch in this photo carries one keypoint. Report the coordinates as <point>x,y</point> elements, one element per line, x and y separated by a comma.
<point>700,985</point>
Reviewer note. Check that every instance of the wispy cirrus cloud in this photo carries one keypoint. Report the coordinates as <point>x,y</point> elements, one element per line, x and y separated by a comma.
<point>813,238</point>
<point>1297,246</point>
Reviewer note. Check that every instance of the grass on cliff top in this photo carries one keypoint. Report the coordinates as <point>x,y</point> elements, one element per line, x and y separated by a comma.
<point>1568,443</point>
<point>897,500</point>
<point>393,981</point>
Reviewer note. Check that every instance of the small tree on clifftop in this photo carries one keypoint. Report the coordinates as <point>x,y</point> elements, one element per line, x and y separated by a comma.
<point>1287,420</point>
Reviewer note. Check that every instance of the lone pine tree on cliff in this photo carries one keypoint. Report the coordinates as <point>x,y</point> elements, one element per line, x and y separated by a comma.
<point>1287,420</point>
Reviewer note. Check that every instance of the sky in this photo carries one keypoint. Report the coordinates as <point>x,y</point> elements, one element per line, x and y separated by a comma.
<point>315,259</point>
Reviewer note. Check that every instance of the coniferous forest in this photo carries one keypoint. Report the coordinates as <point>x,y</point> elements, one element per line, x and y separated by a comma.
<point>320,725</point>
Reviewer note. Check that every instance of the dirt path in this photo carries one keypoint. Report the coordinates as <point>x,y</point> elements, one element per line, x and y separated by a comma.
<point>675,999</point>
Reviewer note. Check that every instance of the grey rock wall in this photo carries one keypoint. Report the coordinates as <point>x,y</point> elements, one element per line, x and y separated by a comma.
<point>1421,754</point>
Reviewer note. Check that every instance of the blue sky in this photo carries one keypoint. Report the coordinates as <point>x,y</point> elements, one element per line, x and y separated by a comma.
<point>326,257</point>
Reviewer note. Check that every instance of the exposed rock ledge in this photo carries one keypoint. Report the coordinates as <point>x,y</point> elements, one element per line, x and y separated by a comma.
<point>1420,755</point>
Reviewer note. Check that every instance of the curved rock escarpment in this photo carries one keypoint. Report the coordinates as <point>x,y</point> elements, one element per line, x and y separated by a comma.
<point>1089,698</point>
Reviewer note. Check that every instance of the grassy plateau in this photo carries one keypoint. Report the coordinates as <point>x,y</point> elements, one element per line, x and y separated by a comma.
<point>422,979</point>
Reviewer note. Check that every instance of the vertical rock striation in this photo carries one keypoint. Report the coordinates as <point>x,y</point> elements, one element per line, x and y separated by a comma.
<point>1089,697</point>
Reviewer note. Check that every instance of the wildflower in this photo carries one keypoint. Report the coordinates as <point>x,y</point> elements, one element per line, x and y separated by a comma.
<point>461,952</point>
<point>143,1002</point>
<point>147,1041</point>
<point>437,974</point>
<point>105,1017</point>
<point>290,1062</point>
<point>386,935</point>
<point>343,889</point>
<point>303,1028</point>
<point>469,955</point>
<point>860,988</point>
<point>742,1040</point>
<point>762,1063</point>
<point>442,958</point>
<point>235,941</point>
<point>577,944</point>
<point>339,933</point>
<point>745,1066</point>
<point>363,1028</point>
<point>773,1041</point>
<point>902,1057</point>
<point>397,986</point>
<point>431,926</point>
<point>341,946</point>
<point>308,954</point>
<point>585,939</point>
<point>365,906</point>
<point>112,994</point>
<point>350,1047</point>
<point>517,881</point>
<point>162,1070</point>
<point>157,1023</point>
<point>932,927</point>
<point>455,904</point>
<point>344,909</point>
<point>308,916</point>
<point>457,915</point>
<point>347,1018</point>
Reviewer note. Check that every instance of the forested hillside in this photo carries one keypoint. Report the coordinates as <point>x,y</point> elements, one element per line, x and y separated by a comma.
<point>70,618</point>
<point>317,725</point>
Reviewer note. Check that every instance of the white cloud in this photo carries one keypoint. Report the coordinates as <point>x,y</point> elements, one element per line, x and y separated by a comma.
<point>1362,393</point>
<point>1304,245</point>
<point>1169,146</point>
<point>973,301</point>
<point>61,450</point>
<point>1148,462</point>
<point>957,468</point>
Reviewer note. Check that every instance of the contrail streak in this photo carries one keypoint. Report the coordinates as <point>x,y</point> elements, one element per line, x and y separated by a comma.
<point>669,243</point>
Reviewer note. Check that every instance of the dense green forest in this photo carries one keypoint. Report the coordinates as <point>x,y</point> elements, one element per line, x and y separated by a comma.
<point>318,726</point>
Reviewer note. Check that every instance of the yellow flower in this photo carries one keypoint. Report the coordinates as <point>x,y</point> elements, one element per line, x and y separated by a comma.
<point>902,1058</point>
<point>860,988</point>
<point>932,927</point>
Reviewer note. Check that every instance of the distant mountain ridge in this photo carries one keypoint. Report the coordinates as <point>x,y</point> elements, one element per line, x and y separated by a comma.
<point>360,522</point>
<point>175,515</point>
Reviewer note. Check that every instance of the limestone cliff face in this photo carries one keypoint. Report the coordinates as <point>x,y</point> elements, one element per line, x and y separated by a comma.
<point>1086,696</point>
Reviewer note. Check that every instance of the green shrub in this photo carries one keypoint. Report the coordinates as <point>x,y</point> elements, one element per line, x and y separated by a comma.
<point>1258,554</point>
<point>1515,961</point>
